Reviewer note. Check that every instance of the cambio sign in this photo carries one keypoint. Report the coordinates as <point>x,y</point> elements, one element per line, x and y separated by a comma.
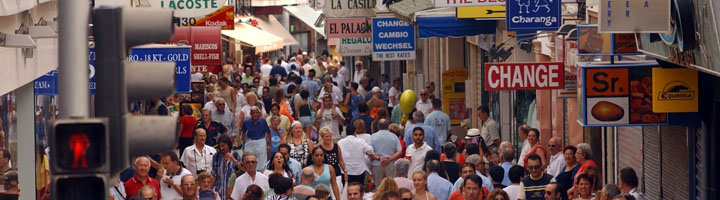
<point>524,76</point>
<point>189,8</point>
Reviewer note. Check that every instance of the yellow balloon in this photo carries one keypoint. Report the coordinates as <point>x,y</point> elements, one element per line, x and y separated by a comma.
<point>407,101</point>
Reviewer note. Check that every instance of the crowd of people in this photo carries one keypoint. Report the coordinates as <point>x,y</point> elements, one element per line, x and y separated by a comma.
<point>304,128</point>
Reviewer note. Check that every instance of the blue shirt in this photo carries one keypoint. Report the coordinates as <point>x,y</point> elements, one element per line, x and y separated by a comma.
<point>430,137</point>
<point>255,131</point>
<point>278,70</point>
<point>385,144</point>
<point>438,186</point>
<point>312,87</point>
<point>506,166</point>
<point>366,118</point>
<point>485,182</point>
<point>440,122</point>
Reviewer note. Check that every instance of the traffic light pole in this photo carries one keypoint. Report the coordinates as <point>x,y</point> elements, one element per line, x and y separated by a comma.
<point>73,78</point>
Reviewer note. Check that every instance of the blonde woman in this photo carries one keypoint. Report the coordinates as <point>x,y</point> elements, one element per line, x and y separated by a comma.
<point>419,179</point>
<point>333,154</point>
<point>387,184</point>
<point>299,143</point>
<point>252,100</point>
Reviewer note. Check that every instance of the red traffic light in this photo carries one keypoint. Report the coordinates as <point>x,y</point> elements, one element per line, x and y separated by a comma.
<point>79,146</point>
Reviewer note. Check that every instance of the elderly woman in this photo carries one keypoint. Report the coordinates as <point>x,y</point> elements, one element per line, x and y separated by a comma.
<point>401,170</point>
<point>252,100</point>
<point>583,157</point>
<point>300,144</point>
<point>565,178</point>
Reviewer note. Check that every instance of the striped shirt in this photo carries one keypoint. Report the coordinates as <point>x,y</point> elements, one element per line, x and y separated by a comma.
<point>223,168</point>
<point>535,188</point>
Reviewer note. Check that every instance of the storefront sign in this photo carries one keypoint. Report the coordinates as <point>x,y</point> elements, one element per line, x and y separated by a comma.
<point>619,95</point>
<point>205,69</point>
<point>481,12</point>
<point>454,93</point>
<point>349,8</point>
<point>570,86</point>
<point>593,43</point>
<point>524,76</point>
<point>392,39</point>
<point>189,8</point>
<point>180,55</point>
<point>46,84</point>
<point>624,16</point>
<point>348,28</point>
<point>533,15</point>
<point>675,90</point>
<point>461,3</point>
<point>223,18</point>
<point>355,46</point>
<point>205,42</point>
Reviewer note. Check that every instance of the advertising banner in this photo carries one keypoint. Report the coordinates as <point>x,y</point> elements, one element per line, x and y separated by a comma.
<point>46,84</point>
<point>619,95</point>
<point>349,8</point>
<point>481,12</point>
<point>392,39</point>
<point>533,15</point>
<point>623,16</point>
<point>205,42</point>
<point>189,8</point>
<point>593,43</point>
<point>524,76</point>
<point>461,3</point>
<point>223,18</point>
<point>453,88</point>
<point>675,90</point>
<point>348,28</point>
<point>354,46</point>
<point>180,55</point>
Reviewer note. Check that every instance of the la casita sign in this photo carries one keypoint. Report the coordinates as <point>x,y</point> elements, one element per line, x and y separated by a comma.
<point>524,76</point>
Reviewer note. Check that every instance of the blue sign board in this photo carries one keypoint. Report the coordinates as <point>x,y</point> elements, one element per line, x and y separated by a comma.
<point>181,56</point>
<point>91,61</point>
<point>533,15</point>
<point>392,39</point>
<point>46,84</point>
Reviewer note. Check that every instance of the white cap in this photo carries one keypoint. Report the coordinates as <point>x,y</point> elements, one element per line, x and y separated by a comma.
<point>375,89</point>
<point>473,132</point>
<point>304,53</point>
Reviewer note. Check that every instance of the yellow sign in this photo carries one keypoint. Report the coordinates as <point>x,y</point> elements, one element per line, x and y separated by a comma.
<point>675,90</point>
<point>453,90</point>
<point>481,12</point>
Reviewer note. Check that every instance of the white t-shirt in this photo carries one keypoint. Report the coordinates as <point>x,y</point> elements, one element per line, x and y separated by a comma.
<point>424,107</point>
<point>354,154</point>
<point>394,94</point>
<point>242,182</point>
<point>265,69</point>
<point>513,191</point>
<point>169,192</point>
<point>417,158</point>
<point>331,121</point>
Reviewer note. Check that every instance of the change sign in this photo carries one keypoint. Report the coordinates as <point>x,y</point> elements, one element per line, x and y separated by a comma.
<point>392,39</point>
<point>524,76</point>
<point>533,15</point>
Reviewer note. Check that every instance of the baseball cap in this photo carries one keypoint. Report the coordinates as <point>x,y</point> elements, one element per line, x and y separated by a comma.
<point>473,132</point>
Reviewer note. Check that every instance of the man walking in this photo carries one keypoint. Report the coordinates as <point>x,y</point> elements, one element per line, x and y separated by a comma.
<point>430,136</point>
<point>198,158</point>
<point>250,177</point>
<point>416,152</point>
<point>256,135</point>
<point>557,161</point>
<point>628,182</point>
<point>488,128</point>
<point>225,118</point>
<point>386,145</point>
<point>551,191</point>
<point>171,179</point>
<point>536,181</point>
<point>424,105</point>
<point>438,186</point>
<point>305,189</point>
<point>439,121</point>
<point>141,178</point>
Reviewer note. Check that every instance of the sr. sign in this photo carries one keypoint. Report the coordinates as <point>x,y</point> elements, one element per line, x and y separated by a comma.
<point>524,76</point>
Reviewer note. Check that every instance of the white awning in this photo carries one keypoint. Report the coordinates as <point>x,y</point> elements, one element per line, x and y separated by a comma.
<point>307,15</point>
<point>269,24</point>
<point>261,40</point>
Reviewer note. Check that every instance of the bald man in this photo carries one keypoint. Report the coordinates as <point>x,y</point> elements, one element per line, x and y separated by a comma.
<point>557,161</point>
<point>305,189</point>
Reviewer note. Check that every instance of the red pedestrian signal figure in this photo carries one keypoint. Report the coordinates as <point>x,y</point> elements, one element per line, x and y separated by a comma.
<point>78,145</point>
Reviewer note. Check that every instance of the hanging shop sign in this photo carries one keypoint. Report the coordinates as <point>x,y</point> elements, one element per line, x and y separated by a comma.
<point>625,16</point>
<point>593,43</point>
<point>354,46</point>
<point>618,95</point>
<point>462,3</point>
<point>206,49</point>
<point>46,84</point>
<point>392,39</point>
<point>524,76</point>
<point>453,84</point>
<point>570,87</point>
<point>189,8</point>
<point>205,69</point>
<point>348,28</point>
<point>675,90</point>
<point>533,15</point>
<point>348,8</point>
<point>223,18</point>
<point>178,54</point>
<point>481,12</point>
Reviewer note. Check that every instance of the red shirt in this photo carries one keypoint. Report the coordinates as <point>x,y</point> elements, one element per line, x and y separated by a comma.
<point>188,123</point>
<point>456,195</point>
<point>134,184</point>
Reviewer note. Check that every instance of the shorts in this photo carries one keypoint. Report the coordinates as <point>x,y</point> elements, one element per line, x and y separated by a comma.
<point>306,121</point>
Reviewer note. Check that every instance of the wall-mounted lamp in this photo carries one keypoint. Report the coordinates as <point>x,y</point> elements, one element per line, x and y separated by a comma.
<point>43,32</point>
<point>16,41</point>
<point>320,22</point>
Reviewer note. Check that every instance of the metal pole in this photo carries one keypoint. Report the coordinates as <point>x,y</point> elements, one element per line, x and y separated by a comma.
<point>73,55</point>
